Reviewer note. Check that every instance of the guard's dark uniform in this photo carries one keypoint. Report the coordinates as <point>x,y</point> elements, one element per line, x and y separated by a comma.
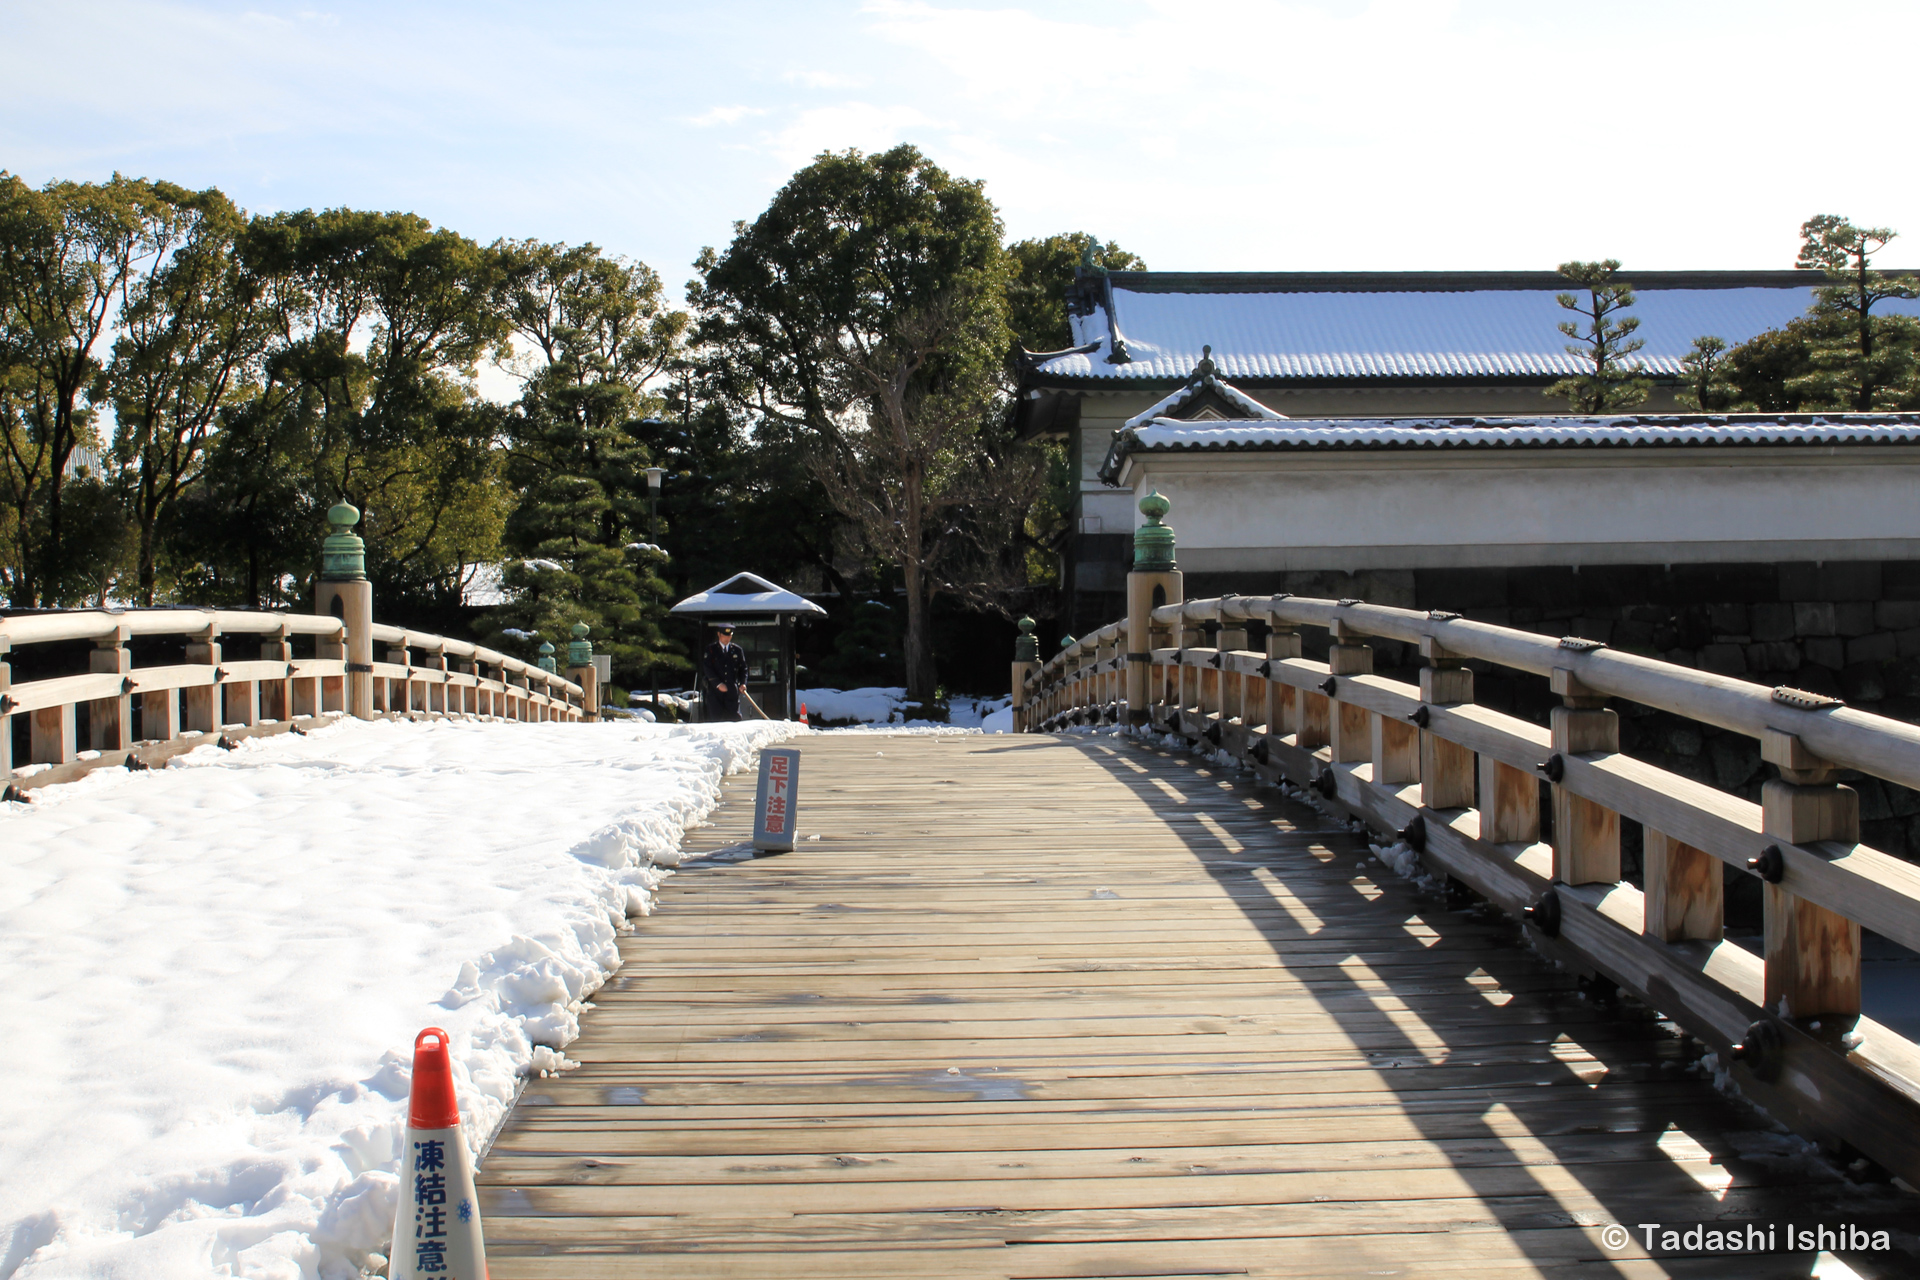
<point>722,664</point>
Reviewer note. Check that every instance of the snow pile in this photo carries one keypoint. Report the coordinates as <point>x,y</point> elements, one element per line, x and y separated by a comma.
<point>854,706</point>
<point>849,707</point>
<point>212,974</point>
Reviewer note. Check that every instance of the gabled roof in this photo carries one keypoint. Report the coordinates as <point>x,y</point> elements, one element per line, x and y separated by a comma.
<point>746,593</point>
<point>1206,397</point>
<point>1390,328</point>
<point>1555,432</point>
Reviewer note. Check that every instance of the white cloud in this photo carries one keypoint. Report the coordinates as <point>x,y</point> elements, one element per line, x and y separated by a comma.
<point>825,80</point>
<point>863,125</point>
<point>725,115</point>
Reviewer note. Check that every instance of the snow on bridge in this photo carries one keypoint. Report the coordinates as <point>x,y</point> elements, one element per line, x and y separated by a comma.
<point>210,974</point>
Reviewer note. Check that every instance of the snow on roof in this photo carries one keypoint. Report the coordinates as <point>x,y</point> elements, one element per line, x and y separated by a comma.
<point>746,593</point>
<point>1169,435</point>
<point>1486,326</point>
<point>1168,406</point>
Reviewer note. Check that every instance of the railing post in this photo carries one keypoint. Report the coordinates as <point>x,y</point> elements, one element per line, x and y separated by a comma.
<point>276,696</point>
<point>580,670</point>
<point>1283,641</point>
<point>110,720</point>
<point>1154,580</point>
<point>1446,768</point>
<point>344,592</point>
<point>1026,660</point>
<point>1586,836</point>
<point>6,713</point>
<point>1812,954</point>
<point>200,704</point>
<point>398,655</point>
<point>1350,735</point>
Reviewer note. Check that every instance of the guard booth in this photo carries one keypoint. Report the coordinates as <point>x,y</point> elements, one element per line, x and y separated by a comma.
<point>763,615</point>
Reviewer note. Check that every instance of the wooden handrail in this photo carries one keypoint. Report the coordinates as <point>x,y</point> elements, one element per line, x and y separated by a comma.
<point>212,696</point>
<point>1461,784</point>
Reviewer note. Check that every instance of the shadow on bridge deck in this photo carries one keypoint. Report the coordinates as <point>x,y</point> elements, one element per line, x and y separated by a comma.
<point>1073,1006</point>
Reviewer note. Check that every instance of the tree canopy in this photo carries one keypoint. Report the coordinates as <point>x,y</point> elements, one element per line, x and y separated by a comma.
<point>863,316</point>
<point>1604,339</point>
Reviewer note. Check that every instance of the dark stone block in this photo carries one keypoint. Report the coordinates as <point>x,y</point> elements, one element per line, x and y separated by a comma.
<point>1854,618</point>
<point>1745,583</point>
<point>1770,621</point>
<point>1897,615</point>
<point>1727,619</point>
<point>1774,656</point>
<point>1735,759</point>
<point>1818,680</point>
<point>1591,628</point>
<point>1900,580</point>
<point>1827,651</point>
<point>1725,659</point>
<point>1695,630</point>
<point>1813,618</point>
<point>1888,835</point>
<point>1630,634</point>
<point>1682,657</point>
<point>1863,683</point>
<point>1833,580</point>
<point>1873,799</point>
<point>1621,585</point>
<point>1683,740</point>
<point>1874,648</point>
<point>1459,590</point>
<point>1649,613</point>
<point>1904,801</point>
<point>1543,586</point>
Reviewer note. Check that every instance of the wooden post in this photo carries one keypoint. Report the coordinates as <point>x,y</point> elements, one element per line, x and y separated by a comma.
<point>398,656</point>
<point>1446,768</point>
<point>1812,954</point>
<point>1154,580</point>
<point>276,696</point>
<point>110,720</point>
<point>200,704</point>
<point>6,713</point>
<point>1311,716</point>
<point>1282,642</point>
<point>1350,730</point>
<point>1586,836</point>
<point>1509,803</point>
<point>1684,897</point>
<point>332,690</point>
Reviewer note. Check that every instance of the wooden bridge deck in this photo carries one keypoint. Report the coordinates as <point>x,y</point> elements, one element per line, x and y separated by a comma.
<point>1050,1007</point>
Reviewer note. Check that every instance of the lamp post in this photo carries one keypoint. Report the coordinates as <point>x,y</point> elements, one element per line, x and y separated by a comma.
<point>654,477</point>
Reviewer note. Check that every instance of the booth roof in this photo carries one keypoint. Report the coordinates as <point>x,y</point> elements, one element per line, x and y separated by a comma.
<point>747,593</point>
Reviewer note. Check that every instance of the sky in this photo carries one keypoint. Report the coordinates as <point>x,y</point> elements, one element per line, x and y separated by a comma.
<point>1224,135</point>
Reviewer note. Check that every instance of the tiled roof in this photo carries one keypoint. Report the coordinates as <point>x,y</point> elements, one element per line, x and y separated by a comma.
<point>1166,405</point>
<point>1377,327</point>
<point>1166,435</point>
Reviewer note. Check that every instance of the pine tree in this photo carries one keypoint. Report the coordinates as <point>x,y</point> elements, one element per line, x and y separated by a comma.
<point>1707,388</point>
<point>1860,361</point>
<point>1604,338</point>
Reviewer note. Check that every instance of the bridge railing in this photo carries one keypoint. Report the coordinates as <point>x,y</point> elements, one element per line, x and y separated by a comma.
<point>139,715</point>
<point>1463,786</point>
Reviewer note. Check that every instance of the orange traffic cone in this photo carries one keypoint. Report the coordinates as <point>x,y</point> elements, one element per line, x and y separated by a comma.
<point>436,1230</point>
<point>803,713</point>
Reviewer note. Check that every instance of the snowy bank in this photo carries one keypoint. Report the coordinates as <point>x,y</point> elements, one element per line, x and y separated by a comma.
<point>212,974</point>
<point>880,706</point>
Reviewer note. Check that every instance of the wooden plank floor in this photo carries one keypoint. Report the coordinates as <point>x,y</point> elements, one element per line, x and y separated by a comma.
<point>1073,1006</point>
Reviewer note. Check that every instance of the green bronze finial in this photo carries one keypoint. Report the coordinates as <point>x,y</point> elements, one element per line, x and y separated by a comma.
<point>1026,648</point>
<point>343,557</point>
<point>1153,541</point>
<point>546,657</point>
<point>1066,641</point>
<point>580,649</point>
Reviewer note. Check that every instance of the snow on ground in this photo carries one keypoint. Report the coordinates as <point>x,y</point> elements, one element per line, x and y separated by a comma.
<point>880,706</point>
<point>211,975</point>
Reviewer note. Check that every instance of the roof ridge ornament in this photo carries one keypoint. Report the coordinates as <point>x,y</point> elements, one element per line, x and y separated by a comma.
<point>1206,370</point>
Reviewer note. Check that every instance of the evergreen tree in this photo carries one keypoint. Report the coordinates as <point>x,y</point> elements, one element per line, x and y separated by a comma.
<point>1707,388</point>
<point>1603,338</point>
<point>595,333</point>
<point>864,314</point>
<point>1858,360</point>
